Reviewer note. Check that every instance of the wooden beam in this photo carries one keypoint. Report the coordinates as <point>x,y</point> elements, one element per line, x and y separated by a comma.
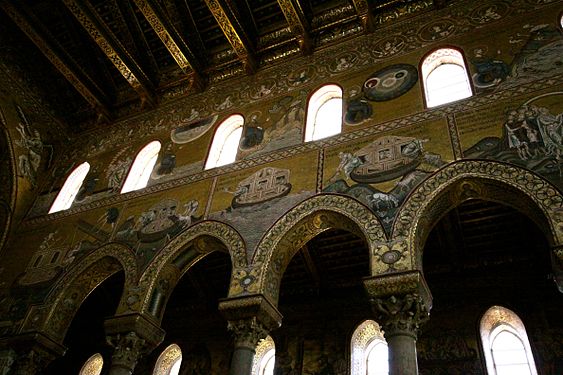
<point>172,40</point>
<point>227,19</point>
<point>113,49</point>
<point>311,266</point>
<point>297,22</point>
<point>364,12</point>
<point>56,54</point>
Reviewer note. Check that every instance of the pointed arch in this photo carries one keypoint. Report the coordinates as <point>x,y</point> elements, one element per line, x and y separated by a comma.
<point>445,77</point>
<point>93,365</point>
<point>487,180</point>
<point>70,188</point>
<point>55,315</point>
<point>505,343</point>
<point>305,221</point>
<point>180,254</point>
<point>140,171</point>
<point>225,142</point>
<point>324,113</point>
<point>169,361</point>
<point>368,347</point>
<point>264,358</point>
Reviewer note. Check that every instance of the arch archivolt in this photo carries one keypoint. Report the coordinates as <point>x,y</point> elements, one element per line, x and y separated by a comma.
<point>293,230</point>
<point>488,180</point>
<point>162,274</point>
<point>55,315</point>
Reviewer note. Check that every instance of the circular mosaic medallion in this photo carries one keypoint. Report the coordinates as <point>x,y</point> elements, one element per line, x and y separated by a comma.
<point>390,257</point>
<point>390,82</point>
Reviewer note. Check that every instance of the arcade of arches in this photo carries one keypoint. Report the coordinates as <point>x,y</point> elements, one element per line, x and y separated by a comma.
<point>415,236</point>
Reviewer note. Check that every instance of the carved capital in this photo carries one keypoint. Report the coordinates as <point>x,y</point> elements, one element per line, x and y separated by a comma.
<point>131,336</point>
<point>401,302</point>
<point>127,348</point>
<point>247,332</point>
<point>250,318</point>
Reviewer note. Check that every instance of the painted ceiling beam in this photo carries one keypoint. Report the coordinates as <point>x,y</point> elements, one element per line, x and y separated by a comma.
<point>227,19</point>
<point>138,37</point>
<point>171,39</point>
<point>297,22</point>
<point>113,49</point>
<point>364,12</point>
<point>56,54</point>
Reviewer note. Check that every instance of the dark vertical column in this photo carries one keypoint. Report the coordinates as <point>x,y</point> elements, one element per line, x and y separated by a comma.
<point>401,303</point>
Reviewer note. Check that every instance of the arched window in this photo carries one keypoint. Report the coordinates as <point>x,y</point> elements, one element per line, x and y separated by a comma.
<point>324,115</point>
<point>505,343</point>
<point>70,188</point>
<point>92,366</point>
<point>370,355</point>
<point>445,77</point>
<point>225,142</point>
<point>140,172</point>
<point>265,357</point>
<point>169,361</point>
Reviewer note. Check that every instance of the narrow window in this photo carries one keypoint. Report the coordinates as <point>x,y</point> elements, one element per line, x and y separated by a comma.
<point>92,366</point>
<point>169,361</point>
<point>265,357</point>
<point>70,188</point>
<point>324,115</point>
<point>38,261</point>
<point>445,77</point>
<point>505,343</point>
<point>140,172</point>
<point>225,142</point>
<point>370,355</point>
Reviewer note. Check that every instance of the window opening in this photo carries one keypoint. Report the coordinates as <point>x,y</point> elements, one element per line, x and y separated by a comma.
<point>265,357</point>
<point>140,172</point>
<point>370,354</point>
<point>324,115</point>
<point>169,361</point>
<point>225,142</point>
<point>93,365</point>
<point>70,188</point>
<point>445,77</point>
<point>505,343</point>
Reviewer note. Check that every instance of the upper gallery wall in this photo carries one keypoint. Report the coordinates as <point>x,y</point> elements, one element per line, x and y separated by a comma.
<point>515,116</point>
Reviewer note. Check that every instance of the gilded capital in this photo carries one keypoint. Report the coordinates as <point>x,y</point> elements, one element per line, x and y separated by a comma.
<point>400,301</point>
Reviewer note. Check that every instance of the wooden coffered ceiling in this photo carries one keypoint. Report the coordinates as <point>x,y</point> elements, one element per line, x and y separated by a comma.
<point>92,58</point>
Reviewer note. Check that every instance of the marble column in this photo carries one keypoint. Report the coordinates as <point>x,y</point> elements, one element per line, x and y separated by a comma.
<point>131,336</point>
<point>31,353</point>
<point>401,302</point>
<point>250,319</point>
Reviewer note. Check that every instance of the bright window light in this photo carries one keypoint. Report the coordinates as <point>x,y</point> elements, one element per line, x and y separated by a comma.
<point>509,354</point>
<point>225,143</point>
<point>267,363</point>
<point>93,366</point>
<point>445,77</point>
<point>324,115</point>
<point>377,358</point>
<point>70,188</point>
<point>140,172</point>
<point>505,343</point>
<point>369,352</point>
<point>265,357</point>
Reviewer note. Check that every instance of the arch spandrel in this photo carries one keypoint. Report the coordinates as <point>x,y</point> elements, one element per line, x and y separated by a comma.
<point>305,221</point>
<point>462,180</point>
<point>55,315</point>
<point>201,236</point>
